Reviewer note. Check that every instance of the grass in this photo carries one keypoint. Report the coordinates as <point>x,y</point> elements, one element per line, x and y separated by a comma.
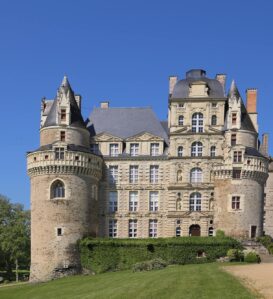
<point>189,281</point>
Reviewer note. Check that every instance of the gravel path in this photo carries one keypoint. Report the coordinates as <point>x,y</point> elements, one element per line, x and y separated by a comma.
<point>258,277</point>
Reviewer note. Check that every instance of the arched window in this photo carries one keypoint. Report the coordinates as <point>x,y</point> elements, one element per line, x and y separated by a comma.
<point>181,120</point>
<point>196,175</point>
<point>197,123</point>
<point>195,201</point>
<point>213,151</point>
<point>180,151</point>
<point>57,189</point>
<point>210,231</point>
<point>196,149</point>
<point>214,120</point>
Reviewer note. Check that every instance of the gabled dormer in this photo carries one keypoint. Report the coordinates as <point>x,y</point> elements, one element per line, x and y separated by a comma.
<point>234,108</point>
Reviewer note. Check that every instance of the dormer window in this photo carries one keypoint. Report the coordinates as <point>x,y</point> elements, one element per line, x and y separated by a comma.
<point>113,150</point>
<point>134,149</point>
<point>62,136</point>
<point>63,114</point>
<point>234,118</point>
<point>59,153</point>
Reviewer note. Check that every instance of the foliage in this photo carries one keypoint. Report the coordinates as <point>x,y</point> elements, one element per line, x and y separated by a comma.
<point>220,234</point>
<point>155,264</point>
<point>14,236</point>
<point>252,257</point>
<point>235,255</point>
<point>267,242</point>
<point>101,255</point>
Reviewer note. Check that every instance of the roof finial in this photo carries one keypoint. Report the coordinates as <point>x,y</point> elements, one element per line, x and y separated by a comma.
<point>233,91</point>
<point>65,82</point>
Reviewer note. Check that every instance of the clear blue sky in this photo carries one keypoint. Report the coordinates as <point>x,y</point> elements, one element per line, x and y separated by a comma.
<point>122,51</point>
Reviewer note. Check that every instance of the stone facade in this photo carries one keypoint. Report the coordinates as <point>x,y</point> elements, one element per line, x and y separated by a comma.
<point>126,174</point>
<point>268,207</point>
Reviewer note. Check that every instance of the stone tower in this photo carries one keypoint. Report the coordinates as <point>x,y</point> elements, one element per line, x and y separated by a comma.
<point>64,177</point>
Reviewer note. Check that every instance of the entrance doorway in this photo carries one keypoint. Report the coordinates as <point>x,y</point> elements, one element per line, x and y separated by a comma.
<point>194,230</point>
<point>253,231</point>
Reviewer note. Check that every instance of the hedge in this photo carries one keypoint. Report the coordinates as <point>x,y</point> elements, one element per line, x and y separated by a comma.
<point>101,255</point>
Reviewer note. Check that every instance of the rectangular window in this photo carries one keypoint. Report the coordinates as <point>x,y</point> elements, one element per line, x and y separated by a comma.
<point>134,149</point>
<point>237,157</point>
<point>154,174</point>
<point>59,231</point>
<point>94,148</point>
<point>112,226</point>
<point>213,151</point>
<point>63,114</point>
<point>113,150</point>
<point>153,228</point>
<point>113,201</point>
<point>113,174</point>
<point>59,153</point>
<point>236,174</point>
<point>234,118</point>
<point>153,201</point>
<point>132,228</point>
<point>133,201</point>
<point>62,135</point>
<point>133,174</point>
<point>154,149</point>
<point>235,203</point>
<point>233,139</point>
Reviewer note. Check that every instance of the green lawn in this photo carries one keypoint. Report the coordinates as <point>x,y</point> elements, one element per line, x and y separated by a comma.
<point>189,281</point>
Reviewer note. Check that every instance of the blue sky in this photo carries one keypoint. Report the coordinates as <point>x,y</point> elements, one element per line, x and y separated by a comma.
<point>122,51</point>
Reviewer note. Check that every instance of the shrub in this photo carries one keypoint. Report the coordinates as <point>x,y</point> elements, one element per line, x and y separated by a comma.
<point>220,234</point>
<point>235,255</point>
<point>270,248</point>
<point>155,264</point>
<point>252,257</point>
<point>265,240</point>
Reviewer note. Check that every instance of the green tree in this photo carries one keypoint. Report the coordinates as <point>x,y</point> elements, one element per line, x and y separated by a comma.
<point>14,236</point>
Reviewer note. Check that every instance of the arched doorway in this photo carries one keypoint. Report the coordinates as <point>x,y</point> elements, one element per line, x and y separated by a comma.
<point>194,230</point>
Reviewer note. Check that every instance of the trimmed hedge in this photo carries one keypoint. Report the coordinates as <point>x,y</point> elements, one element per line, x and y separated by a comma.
<point>101,255</point>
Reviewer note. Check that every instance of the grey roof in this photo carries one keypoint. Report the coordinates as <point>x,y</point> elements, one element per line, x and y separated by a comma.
<point>71,147</point>
<point>251,151</point>
<point>246,122</point>
<point>125,122</point>
<point>76,117</point>
<point>233,91</point>
<point>181,88</point>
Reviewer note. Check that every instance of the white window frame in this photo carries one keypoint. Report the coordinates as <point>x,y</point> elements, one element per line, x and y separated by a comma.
<point>113,201</point>
<point>236,201</point>
<point>180,151</point>
<point>133,174</point>
<point>213,151</point>
<point>133,201</point>
<point>237,157</point>
<point>153,201</point>
<point>113,149</point>
<point>112,228</point>
<point>196,175</point>
<point>154,149</point>
<point>134,149</point>
<point>197,149</point>
<point>113,174</point>
<point>195,201</point>
<point>197,122</point>
<point>153,228</point>
<point>181,120</point>
<point>132,228</point>
<point>154,174</point>
<point>59,153</point>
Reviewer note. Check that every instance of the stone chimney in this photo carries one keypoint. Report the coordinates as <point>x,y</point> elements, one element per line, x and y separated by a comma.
<point>251,106</point>
<point>104,104</point>
<point>222,79</point>
<point>264,145</point>
<point>172,82</point>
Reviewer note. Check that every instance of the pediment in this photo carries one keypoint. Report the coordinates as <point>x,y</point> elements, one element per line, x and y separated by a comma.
<point>144,136</point>
<point>106,137</point>
<point>212,129</point>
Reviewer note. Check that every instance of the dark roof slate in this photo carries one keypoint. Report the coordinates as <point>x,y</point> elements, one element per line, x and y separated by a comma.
<point>251,151</point>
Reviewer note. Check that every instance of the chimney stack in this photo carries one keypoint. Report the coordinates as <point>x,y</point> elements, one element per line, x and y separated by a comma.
<point>222,79</point>
<point>251,106</point>
<point>264,145</point>
<point>104,104</point>
<point>172,82</point>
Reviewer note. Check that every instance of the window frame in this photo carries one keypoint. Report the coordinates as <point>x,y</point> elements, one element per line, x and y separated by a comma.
<point>113,149</point>
<point>133,174</point>
<point>214,120</point>
<point>112,228</point>
<point>57,190</point>
<point>153,228</point>
<point>113,174</point>
<point>154,149</point>
<point>180,151</point>
<point>153,201</point>
<point>195,202</point>
<point>133,201</point>
<point>197,149</point>
<point>112,201</point>
<point>154,174</point>
<point>181,120</point>
<point>197,122</point>
<point>134,149</point>
<point>235,203</point>
<point>132,228</point>
<point>196,175</point>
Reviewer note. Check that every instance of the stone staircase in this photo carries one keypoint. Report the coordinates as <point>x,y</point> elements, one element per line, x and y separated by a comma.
<point>258,248</point>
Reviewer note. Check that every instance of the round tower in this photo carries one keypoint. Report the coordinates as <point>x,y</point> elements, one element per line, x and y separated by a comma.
<point>64,177</point>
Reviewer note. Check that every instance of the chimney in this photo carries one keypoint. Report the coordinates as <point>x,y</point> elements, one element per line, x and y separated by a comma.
<point>104,104</point>
<point>264,145</point>
<point>251,100</point>
<point>222,79</point>
<point>172,82</point>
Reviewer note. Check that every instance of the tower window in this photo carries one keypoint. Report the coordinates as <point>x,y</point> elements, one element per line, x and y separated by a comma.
<point>63,114</point>
<point>62,135</point>
<point>57,189</point>
<point>234,118</point>
<point>59,231</point>
<point>236,174</point>
<point>197,123</point>
<point>181,120</point>
<point>233,139</point>
<point>214,120</point>
<point>59,153</point>
<point>235,203</point>
<point>237,157</point>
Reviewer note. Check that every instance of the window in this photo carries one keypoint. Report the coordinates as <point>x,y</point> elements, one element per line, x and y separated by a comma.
<point>153,201</point>
<point>59,153</point>
<point>197,123</point>
<point>113,150</point>
<point>132,228</point>
<point>154,149</point>
<point>154,174</point>
<point>214,120</point>
<point>235,203</point>
<point>113,201</point>
<point>234,118</point>
<point>178,231</point>
<point>196,149</point>
<point>237,157</point>
<point>210,231</point>
<point>181,120</point>
<point>180,105</point>
<point>112,227</point>
<point>113,174</point>
<point>196,175</point>
<point>62,135</point>
<point>195,201</point>
<point>180,151</point>
<point>57,189</point>
<point>94,148</point>
<point>213,151</point>
<point>133,174</point>
<point>153,228</point>
<point>133,201</point>
<point>59,231</point>
<point>214,105</point>
<point>233,139</point>
<point>63,114</point>
<point>236,174</point>
<point>134,149</point>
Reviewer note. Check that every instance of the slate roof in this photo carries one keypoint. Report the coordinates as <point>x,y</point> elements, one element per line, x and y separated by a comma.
<point>251,151</point>
<point>181,88</point>
<point>125,122</point>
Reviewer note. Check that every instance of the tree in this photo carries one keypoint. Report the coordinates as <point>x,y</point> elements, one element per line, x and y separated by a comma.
<point>14,236</point>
